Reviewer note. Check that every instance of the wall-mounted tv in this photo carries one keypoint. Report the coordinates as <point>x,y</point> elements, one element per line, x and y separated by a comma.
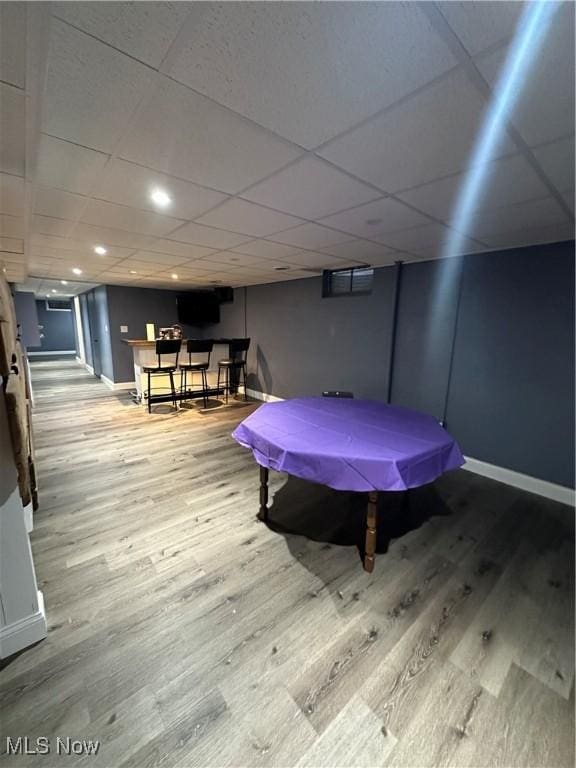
<point>198,308</point>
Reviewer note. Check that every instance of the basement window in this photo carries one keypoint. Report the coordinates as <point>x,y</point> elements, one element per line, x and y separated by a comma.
<point>58,305</point>
<point>345,282</point>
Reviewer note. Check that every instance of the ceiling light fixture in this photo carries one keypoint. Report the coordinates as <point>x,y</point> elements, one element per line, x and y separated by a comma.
<point>160,197</point>
<point>133,272</point>
<point>77,271</point>
<point>100,250</point>
<point>64,282</point>
<point>174,276</point>
<point>54,290</point>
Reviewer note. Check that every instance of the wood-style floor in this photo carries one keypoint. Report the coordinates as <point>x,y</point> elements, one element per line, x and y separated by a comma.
<point>184,632</point>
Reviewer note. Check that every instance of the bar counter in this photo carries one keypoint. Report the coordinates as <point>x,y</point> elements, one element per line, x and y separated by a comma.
<point>144,353</point>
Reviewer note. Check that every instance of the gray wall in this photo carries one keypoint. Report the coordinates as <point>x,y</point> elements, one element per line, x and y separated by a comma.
<point>27,319</point>
<point>58,329</point>
<point>509,393</point>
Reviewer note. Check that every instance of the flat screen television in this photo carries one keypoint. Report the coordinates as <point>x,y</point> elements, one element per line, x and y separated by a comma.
<point>198,308</point>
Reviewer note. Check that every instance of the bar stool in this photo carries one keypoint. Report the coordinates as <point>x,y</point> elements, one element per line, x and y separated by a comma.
<point>196,347</point>
<point>232,365</point>
<point>167,348</point>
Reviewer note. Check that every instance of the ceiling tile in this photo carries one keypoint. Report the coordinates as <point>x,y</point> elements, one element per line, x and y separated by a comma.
<point>266,249</point>
<point>517,238</point>
<point>568,197</point>
<point>508,180</point>
<point>545,105</point>
<point>67,166</point>
<point>166,259</point>
<point>57,203</point>
<point>364,252</point>
<point>11,226</point>
<point>136,265</point>
<point>428,239</point>
<point>12,130</point>
<point>372,219</point>
<point>312,236</point>
<point>144,31</point>
<point>234,259</point>
<point>429,136</point>
<point>106,236</point>
<point>102,214</point>
<point>334,63</point>
<point>130,184</point>
<point>13,43</point>
<point>49,226</point>
<point>557,162</point>
<point>247,218</point>
<point>207,236</point>
<point>495,221</point>
<point>310,188</point>
<point>184,250</point>
<point>183,134</point>
<point>91,89</point>
<point>11,195</point>
<point>481,24</point>
<point>316,260</point>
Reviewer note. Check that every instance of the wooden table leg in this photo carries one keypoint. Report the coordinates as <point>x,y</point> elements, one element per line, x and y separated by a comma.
<point>264,493</point>
<point>371,532</point>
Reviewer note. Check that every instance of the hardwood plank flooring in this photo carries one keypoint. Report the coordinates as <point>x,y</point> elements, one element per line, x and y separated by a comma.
<point>185,632</point>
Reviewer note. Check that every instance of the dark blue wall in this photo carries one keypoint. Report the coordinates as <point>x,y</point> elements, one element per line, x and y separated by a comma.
<point>511,400</point>
<point>509,396</point>
<point>58,329</point>
<point>303,344</point>
<point>134,307</point>
<point>27,319</point>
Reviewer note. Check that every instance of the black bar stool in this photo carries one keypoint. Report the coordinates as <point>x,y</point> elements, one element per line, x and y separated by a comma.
<point>232,365</point>
<point>196,347</point>
<point>169,349</point>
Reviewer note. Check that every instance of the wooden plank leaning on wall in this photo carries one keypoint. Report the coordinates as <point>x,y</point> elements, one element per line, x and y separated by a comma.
<point>17,392</point>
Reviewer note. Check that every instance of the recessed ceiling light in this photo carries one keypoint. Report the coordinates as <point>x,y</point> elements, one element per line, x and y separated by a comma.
<point>64,282</point>
<point>54,290</point>
<point>160,197</point>
<point>174,276</point>
<point>100,250</point>
<point>77,271</point>
<point>133,272</point>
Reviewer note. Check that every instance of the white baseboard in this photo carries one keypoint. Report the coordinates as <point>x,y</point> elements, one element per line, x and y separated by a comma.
<point>28,517</point>
<point>27,631</point>
<point>263,396</point>
<point>89,368</point>
<point>117,385</point>
<point>518,480</point>
<point>508,476</point>
<point>46,353</point>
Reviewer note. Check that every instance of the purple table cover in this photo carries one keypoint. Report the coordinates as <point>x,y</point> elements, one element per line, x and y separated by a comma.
<point>349,445</point>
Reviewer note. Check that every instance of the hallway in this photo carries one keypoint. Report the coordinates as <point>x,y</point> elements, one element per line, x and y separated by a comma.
<point>184,632</point>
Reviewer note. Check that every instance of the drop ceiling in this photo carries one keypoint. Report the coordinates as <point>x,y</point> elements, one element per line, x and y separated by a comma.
<point>290,137</point>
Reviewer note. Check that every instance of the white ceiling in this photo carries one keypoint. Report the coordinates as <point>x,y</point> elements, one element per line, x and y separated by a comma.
<point>290,137</point>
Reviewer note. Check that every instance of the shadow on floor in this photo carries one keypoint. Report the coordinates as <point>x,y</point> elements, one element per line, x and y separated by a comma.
<point>301,508</point>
